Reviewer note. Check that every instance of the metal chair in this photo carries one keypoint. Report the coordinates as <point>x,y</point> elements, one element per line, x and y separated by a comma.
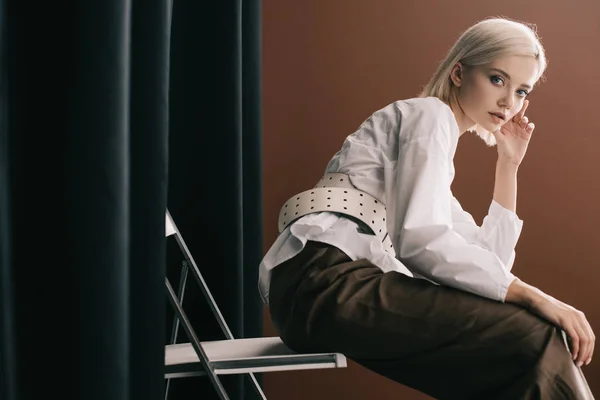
<point>230,355</point>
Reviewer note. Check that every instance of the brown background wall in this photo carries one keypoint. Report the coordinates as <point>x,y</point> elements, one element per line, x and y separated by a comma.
<point>328,64</point>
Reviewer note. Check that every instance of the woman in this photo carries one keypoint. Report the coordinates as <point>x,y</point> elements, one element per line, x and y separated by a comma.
<point>379,261</point>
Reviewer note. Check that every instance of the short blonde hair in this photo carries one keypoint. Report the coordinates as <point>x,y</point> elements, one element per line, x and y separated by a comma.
<point>481,44</point>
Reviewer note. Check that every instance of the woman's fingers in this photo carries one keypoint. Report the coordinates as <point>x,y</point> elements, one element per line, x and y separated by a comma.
<point>587,340</point>
<point>584,346</point>
<point>589,360</point>
<point>581,337</point>
<point>521,112</point>
<point>573,340</point>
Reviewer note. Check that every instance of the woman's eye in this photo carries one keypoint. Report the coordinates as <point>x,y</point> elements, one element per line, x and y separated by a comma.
<point>523,93</point>
<point>496,79</point>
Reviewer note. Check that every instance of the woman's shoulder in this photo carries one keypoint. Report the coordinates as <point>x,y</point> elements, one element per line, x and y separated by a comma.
<point>409,111</point>
<point>425,117</point>
<point>402,121</point>
<point>422,106</point>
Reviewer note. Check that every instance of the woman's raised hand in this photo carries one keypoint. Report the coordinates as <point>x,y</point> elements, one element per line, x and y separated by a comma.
<point>513,137</point>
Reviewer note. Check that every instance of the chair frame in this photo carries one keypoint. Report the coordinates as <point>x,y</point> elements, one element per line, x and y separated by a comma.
<point>273,354</point>
<point>176,301</point>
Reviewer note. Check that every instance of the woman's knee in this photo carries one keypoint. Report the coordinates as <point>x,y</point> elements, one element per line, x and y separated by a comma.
<point>544,349</point>
<point>531,337</point>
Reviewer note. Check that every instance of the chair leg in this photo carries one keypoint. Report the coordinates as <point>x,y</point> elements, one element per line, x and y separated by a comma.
<point>257,387</point>
<point>189,330</point>
<point>191,264</point>
<point>175,330</point>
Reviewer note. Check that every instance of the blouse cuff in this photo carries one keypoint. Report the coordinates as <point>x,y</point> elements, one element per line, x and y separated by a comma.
<point>504,287</point>
<point>499,212</point>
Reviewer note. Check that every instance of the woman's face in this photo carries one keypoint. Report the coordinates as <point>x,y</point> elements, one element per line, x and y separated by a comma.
<point>490,95</point>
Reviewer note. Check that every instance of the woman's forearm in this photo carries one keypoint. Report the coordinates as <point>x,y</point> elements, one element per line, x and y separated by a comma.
<point>524,295</point>
<point>505,187</point>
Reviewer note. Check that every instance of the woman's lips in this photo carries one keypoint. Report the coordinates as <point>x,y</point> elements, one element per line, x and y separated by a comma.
<point>496,118</point>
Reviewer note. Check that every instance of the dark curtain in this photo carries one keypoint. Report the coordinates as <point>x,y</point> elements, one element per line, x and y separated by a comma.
<point>102,103</point>
<point>215,167</point>
<point>83,193</point>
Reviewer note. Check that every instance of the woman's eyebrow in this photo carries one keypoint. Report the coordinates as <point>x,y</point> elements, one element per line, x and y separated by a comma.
<point>525,85</point>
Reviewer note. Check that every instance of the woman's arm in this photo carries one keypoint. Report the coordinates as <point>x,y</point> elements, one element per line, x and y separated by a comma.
<point>571,320</point>
<point>419,207</point>
<point>499,231</point>
<point>513,139</point>
<point>505,187</point>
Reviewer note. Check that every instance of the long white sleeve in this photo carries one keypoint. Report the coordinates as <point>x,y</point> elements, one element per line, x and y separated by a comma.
<point>420,212</point>
<point>499,231</point>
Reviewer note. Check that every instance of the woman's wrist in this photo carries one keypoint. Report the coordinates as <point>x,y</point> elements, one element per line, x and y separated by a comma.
<point>524,295</point>
<point>507,165</point>
<point>505,186</point>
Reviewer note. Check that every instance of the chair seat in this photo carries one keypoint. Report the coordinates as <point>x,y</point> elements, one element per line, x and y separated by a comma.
<point>235,356</point>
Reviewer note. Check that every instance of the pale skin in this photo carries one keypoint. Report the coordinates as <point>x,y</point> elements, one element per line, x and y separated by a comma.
<point>501,87</point>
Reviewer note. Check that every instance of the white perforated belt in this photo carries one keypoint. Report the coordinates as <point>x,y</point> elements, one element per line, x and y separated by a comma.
<point>335,193</point>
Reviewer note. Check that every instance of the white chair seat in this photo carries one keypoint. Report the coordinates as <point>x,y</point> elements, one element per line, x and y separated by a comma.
<point>236,356</point>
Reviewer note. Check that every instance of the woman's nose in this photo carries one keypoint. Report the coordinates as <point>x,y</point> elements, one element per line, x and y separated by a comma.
<point>508,102</point>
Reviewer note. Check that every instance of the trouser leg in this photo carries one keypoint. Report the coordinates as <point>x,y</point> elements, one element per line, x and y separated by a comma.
<point>444,342</point>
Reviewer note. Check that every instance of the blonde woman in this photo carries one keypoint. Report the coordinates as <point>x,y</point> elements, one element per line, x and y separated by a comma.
<point>380,262</point>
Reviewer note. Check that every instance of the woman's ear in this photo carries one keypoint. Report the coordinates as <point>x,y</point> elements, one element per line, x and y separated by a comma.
<point>456,74</point>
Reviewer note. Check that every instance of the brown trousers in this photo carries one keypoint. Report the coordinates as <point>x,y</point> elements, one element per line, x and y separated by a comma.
<point>441,341</point>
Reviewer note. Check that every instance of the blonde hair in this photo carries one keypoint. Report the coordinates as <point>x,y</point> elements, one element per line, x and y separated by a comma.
<point>481,44</point>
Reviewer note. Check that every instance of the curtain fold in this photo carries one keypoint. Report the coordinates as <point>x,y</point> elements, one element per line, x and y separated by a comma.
<point>252,162</point>
<point>83,175</point>
<point>215,165</point>
<point>7,357</point>
<point>98,189</point>
<point>149,124</point>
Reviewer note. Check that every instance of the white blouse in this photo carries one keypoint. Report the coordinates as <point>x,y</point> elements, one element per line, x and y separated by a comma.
<point>403,156</point>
